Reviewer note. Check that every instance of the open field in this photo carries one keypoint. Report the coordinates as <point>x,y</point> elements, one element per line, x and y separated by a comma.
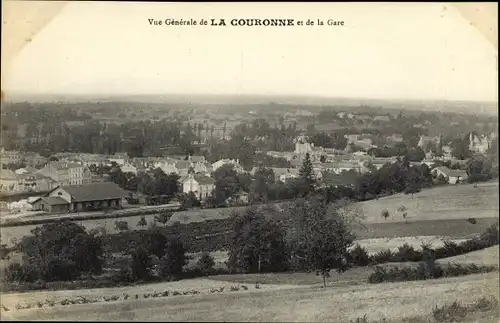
<point>444,202</point>
<point>393,301</point>
<point>486,257</point>
<point>444,210</point>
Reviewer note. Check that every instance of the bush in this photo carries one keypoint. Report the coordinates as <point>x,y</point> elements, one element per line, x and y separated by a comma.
<point>142,222</point>
<point>407,253</point>
<point>484,304</point>
<point>359,256</point>
<point>472,220</point>
<point>491,235</point>
<point>382,257</point>
<point>449,249</point>
<point>206,263</point>
<point>121,225</point>
<point>425,270</point>
<point>449,313</point>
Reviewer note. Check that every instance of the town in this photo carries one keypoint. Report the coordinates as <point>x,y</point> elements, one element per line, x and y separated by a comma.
<point>253,174</point>
<point>194,154</point>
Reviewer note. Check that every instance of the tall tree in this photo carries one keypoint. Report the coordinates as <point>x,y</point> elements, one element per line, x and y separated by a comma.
<point>318,237</point>
<point>257,242</point>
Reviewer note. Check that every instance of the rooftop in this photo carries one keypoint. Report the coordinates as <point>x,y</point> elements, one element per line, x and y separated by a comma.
<point>95,192</point>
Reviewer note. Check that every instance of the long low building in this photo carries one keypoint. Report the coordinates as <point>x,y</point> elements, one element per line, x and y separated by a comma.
<point>80,198</point>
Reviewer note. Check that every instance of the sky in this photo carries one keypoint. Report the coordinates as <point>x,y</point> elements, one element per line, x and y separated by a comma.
<point>384,51</point>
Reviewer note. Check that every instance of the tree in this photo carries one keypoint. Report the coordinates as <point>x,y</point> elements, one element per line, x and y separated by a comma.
<point>142,222</point>
<point>188,200</point>
<point>460,148</point>
<point>306,176</point>
<point>322,139</point>
<point>4,252</point>
<point>206,263</point>
<point>121,226</point>
<point>403,211</point>
<point>257,242</point>
<point>263,180</point>
<point>155,242</point>
<point>478,169</point>
<point>385,214</point>
<point>61,251</point>
<point>140,264</point>
<point>164,216</point>
<point>416,154</point>
<point>174,259</point>
<point>318,237</point>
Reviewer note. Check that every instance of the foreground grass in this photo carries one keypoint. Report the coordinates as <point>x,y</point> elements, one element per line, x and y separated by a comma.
<point>483,310</point>
<point>392,301</point>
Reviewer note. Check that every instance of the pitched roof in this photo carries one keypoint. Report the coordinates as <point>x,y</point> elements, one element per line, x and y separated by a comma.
<point>63,165</point>
<point>452,172</point>
<point>95,192</point>
<point>345,178</point>
<point>54,200</point>
<point>197,159</point>
<point>204,180</point>
<point>182,164</point>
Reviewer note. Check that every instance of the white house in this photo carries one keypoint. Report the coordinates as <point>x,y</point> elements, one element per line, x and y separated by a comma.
<point>167,166</point>
<point>302,146</point>
<point>346,166</point>
<point>201,185</point>
<point>128,168</point>
<point>479,144</point>
<point>119,160</point>
<point>453,176</point>
<point>290,174</point>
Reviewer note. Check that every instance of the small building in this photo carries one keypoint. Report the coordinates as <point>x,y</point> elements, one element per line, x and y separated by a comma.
<point>291,173</point>
<point>81,198</point>
<point>201,185</point>
<point>345,179</point>
<point>128,168</point>
<point>453,176</point>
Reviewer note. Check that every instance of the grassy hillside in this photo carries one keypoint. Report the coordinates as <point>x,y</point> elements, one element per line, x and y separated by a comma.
<point>393,301</point>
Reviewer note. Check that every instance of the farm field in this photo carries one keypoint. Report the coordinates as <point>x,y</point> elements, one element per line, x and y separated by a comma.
<point>393,301</point>
<point>372,246</point>
<point>445,202</point>
<point>487,257</point>
<point>439,211</point>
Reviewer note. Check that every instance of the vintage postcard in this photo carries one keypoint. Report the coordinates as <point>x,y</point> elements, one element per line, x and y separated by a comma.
<point>290,162</point>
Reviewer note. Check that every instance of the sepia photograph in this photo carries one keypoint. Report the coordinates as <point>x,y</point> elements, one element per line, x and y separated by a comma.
<point>249,161</point>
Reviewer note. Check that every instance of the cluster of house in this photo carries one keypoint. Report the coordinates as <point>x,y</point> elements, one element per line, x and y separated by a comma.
<point>53,174</point>
<point>30,159</point>
<point>72,174</point>
<point>73,170</point>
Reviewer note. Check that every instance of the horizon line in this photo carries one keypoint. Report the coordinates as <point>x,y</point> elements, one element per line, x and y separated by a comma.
<point>18,95</point>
